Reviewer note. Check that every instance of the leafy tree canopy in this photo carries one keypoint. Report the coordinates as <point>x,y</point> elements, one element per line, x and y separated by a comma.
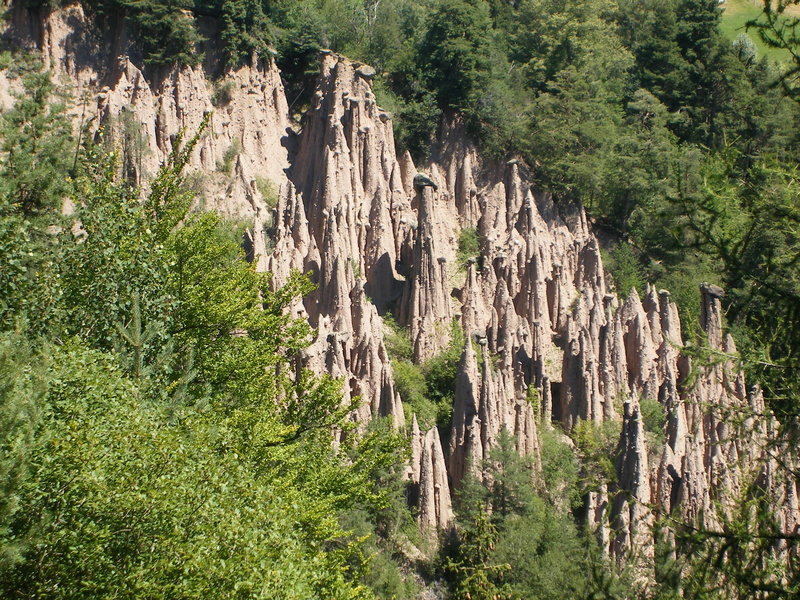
<point>156,437</point>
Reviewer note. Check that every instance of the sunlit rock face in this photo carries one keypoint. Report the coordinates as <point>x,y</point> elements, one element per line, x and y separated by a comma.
<point>546,339</point>
<point>142,112</point>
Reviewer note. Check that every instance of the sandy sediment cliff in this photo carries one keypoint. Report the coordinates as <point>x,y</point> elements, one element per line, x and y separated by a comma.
<point>546,339</point>
<point>537,314</point>
<point>142,110</point>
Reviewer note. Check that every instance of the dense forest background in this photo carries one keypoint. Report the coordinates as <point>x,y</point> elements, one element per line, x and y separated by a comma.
<point>148,453</point>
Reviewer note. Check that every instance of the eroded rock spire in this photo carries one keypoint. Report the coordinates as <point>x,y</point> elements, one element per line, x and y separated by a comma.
<point>378,233</point>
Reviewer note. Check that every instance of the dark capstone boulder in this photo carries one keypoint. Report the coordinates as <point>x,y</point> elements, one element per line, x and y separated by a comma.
<point>366,71</point>
<point>421,181</point>
<point>712,290</point>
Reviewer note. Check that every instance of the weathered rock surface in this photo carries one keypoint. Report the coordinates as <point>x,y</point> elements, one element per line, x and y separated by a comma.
<point>435,509</point>
<point>142,111</point>
<point>546,338</point>
<point>631,512</point>
<point>336,222</point>
<point>715,436</point>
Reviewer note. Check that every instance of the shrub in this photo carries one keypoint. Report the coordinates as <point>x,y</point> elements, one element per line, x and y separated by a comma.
<point>268,191</point>
<point>469,246</point>
<point>654,416</point>
<point>426,389</point>
<point>398,342</point>
<point>440,376</point>
<point>223,93</point>
<point>355,267</point>
<point>440,370</point>
<point>226,164</point>
<point>596,444</point>
<point>534,398</point>
<point>410,384</point>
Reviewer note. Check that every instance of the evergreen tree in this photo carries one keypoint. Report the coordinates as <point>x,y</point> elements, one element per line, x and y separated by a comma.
<point>35,165</point>
<point>245,29</point>
<point>21,395</point>
<point>36,150</point>
<point>511,480</point>
<point>455,52</point>
<point>166,31</point>
<point>779,27</point>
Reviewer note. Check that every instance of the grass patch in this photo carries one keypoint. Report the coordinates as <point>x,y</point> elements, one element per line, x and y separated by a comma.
<point>223,93</point>
<point>268,191</point>
<point>226,164</point>
<point>735,16</point>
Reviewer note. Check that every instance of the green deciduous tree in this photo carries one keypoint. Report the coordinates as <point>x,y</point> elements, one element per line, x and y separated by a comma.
<point>120,497</point>
<point>158,438</point>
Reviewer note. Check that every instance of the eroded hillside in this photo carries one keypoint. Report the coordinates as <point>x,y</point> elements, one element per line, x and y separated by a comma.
<point>545,341</point>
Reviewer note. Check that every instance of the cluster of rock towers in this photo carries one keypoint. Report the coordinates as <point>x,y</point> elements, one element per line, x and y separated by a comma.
<point>537,311</point>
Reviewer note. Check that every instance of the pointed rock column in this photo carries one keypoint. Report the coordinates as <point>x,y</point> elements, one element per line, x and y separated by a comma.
<point>612,362</point>
<point>640,352</point>
<point>427,296</point>
<point>435,506</point>
<point>630,514</point>
<point>465,412</point>
<point>473,317</point>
